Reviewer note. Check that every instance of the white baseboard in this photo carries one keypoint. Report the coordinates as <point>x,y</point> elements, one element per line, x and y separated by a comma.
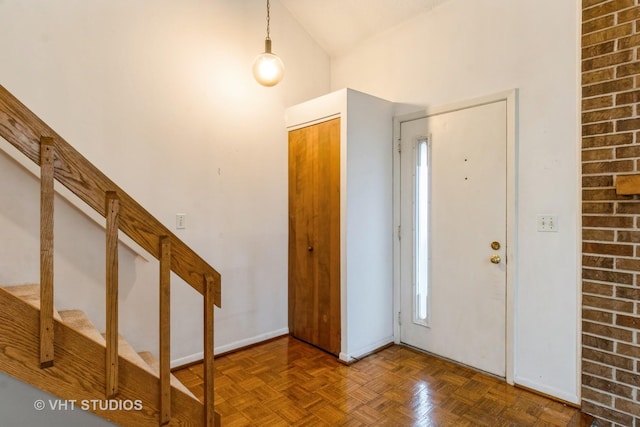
<point>363,351</point>
<point>550,391</point>
<point>195,357</point>
<point>186,360</point>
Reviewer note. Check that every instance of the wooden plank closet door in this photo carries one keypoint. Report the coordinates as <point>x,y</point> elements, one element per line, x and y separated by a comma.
<point>314,235</point>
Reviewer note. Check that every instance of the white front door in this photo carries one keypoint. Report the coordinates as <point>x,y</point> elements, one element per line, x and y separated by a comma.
<point>453,207</point>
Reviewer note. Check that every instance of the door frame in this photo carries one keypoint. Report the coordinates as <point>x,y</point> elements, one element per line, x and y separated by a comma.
<point>511,99</point>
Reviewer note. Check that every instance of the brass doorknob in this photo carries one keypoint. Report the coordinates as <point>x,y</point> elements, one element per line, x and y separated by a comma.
<point>495,259</point>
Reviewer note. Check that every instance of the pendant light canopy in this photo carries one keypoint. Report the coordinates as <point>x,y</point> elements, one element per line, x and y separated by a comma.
<point>268,68</point>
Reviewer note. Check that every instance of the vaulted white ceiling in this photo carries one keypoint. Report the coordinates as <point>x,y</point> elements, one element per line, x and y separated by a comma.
<point>339,25</point>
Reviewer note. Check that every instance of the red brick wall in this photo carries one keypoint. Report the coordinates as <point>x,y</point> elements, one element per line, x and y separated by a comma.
<point>611,223</point>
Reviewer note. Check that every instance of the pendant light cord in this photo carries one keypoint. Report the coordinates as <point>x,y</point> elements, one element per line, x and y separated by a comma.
<point>268,21</point>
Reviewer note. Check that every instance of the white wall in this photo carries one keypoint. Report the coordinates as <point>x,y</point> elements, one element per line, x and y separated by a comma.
<point>469,48</point>
<point>159,95</point>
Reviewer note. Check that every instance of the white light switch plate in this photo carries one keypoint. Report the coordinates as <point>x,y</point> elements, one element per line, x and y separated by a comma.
<point>181,221</point>
<point>547,223</point>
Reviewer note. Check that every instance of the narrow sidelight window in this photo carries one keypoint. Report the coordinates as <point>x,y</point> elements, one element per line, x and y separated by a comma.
<point>422,205</point>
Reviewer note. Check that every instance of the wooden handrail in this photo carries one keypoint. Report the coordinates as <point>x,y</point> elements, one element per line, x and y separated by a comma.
<point>23,129</point>
<point>60,161</point>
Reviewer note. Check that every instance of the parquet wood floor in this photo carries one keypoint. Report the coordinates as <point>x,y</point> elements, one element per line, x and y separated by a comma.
<point>286,382</point>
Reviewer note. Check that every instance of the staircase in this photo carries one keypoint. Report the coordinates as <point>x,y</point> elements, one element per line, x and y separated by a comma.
<point>79,367</point>
<point>63,353</point>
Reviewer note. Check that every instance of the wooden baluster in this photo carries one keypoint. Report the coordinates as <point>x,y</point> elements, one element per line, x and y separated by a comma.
<point>165,330</point>
<point>47,153</point>
<point>209,298</point>
<point>112,209</point>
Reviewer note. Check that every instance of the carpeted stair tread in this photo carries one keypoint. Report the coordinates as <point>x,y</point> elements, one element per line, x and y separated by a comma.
<point>128,352</point>
<point>30,294</point>
<point>79,321</point>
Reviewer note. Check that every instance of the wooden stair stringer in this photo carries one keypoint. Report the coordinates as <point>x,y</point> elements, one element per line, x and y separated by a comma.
<point>154,363</point>
<point>79,369</point>
<point>79,321</point>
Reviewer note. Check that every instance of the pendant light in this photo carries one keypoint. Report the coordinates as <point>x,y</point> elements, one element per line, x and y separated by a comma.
<point>268,68</point>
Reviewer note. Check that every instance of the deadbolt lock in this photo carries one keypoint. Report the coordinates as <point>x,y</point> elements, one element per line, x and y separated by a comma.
<point>495,245</point>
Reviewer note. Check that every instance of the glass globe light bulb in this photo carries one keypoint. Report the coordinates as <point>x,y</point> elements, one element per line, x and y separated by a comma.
<point>268,69</point>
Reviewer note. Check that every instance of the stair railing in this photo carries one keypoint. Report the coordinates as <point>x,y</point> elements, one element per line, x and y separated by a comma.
<point>58,160</point>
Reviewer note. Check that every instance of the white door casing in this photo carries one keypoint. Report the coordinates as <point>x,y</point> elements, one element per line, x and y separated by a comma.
<point>472,151</point>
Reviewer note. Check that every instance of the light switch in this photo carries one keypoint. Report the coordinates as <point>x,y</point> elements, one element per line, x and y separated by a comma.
<point>547,223</point>
<point>181,221</point>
